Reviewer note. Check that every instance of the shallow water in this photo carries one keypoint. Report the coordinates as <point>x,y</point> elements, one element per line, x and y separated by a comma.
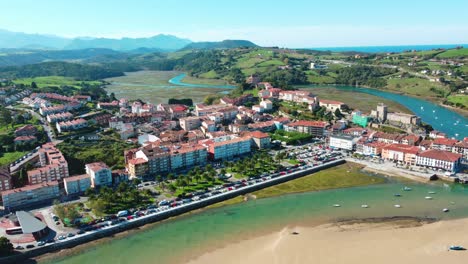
<point>193,233</point>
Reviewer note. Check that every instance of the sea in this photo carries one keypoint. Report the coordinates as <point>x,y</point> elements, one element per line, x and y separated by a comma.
<point>379,49</point>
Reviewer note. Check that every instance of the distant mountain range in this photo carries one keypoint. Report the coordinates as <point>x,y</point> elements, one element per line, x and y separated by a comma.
<point>158,43</point>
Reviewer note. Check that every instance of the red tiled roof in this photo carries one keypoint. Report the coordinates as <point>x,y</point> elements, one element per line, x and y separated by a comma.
<point>97,166</point>
<point>330,102</point>
<point>440,155</point>
<point>402,148</point>
<point>445,141</point>
<point>137,161</point>
<point>259,134</point>
<point>308,123</point>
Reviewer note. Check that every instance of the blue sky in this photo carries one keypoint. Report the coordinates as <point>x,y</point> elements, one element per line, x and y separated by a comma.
<point>292,23</point>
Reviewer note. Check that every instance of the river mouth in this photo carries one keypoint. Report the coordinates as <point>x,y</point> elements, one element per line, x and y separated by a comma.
<point>221,226</point>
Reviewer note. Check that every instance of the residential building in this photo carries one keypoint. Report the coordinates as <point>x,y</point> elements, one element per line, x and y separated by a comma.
<point>373,148</point>
<point>260,140</point>
<point>30,194</point>
<point>5,179</point>
<point>439,159</point>
<point>77,184</point>
<point>331,105</point>
<point>314,128</point>
<point>227,147</point>
<point>52,110</point>
<point>401,153</point>
<point>190,123</point>
<point>99,173</point>
<point>267,105</point>
<point>346,142</point>
<point>53,165</point>
<point>108,105</point>
<point>228,112</point>
<point>437,134</point>
<point>71,125</point>
<point>53,118</point>
<point>444,144</point>
<point>412,140</point>
<point>27,130</point>
<point>22,140</point>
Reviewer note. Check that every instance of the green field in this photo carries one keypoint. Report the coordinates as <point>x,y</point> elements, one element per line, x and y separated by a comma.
<point>454,53</point>
<point>459,99</point>
<point>415,86</point>
<point>7,158</point>
<point>153,86</point>
<point>365,102</point>
<point>52,81</point>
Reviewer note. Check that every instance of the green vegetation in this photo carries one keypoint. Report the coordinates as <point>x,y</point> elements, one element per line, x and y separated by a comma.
<point>184,101</point>
<point>6,247</point>
<point>290,137</point>
<point>109,150</point>
<point>68,212</point>
<point>458,101</point>
<point>454,53</point>
<point>9,157</point>
<point>416,86</point>
<point>54,81</point>
<point>346,175</point>
<point>363,75</point>
<point>125,196</point>
<point>256,165</point>
<point>75,70</point>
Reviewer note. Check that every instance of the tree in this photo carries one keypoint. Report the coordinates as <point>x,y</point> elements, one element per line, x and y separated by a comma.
<point>172,188</point>
<point>6,247</point>
<point>33,85</point>
<point>136,181</point>
<point>223,171</point>
<point>338,113</point>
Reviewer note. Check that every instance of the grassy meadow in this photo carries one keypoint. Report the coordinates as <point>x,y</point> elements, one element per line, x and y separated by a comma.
<point>153,86</point>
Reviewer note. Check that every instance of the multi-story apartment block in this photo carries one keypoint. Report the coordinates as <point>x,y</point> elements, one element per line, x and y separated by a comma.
<point>314,128</point>
<point>99,173</point>
<point>53,165</point>
<point>227,147</point>
<point>439,159</point>
<point>77,184</point>
<point>30,194</point>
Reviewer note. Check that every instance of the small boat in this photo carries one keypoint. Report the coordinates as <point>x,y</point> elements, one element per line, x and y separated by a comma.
<point>397,206</point>
<point>433,111</point>
<point>428,198</point>
<point>445,210</point>
<point>336,205</point>
<point>456,248</point>
<point>407,189</point>
<point>431,192</point>
<point>365,206</point>
<point>397,195</point>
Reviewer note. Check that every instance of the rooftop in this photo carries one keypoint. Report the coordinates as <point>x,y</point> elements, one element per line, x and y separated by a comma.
<point>440,155</point>
<point>403,148</point>
<point>29,223</point>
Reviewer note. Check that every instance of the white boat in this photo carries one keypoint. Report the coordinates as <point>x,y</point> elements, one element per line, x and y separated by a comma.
<point>365,206</point>
<point>445,210</point>
<point>433,111</point>
<point>431,192</point>
<point>397,206</point>
<point>428,198</point>
<point>407,188</point>
<point>336,205</point>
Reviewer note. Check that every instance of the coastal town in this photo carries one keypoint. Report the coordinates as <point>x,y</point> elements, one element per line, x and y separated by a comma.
<point>181,157</point>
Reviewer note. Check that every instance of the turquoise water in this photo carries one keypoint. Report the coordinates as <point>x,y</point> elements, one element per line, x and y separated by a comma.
<point>216,226</point>
<point>178,81</point>
<point>441,118</point>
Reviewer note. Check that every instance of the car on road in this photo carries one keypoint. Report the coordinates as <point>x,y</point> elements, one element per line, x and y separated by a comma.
<point>19,247</point>
<point>41,243</point>
<point>70,235</point>
<point>61,237</point>
<point>30,246</point>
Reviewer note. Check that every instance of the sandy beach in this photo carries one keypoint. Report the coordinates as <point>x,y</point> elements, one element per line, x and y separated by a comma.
<point>389,241</point>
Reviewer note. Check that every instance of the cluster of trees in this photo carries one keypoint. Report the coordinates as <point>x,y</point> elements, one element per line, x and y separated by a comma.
<point>184,101</point>
<point>80,153</point>
<point>56,68</point>
<point>363,75</point>
<point>254,166</point>
<point>195,176</point>
<point>67,212</point>
<point>290,137</point>
<point>110,201</point>
<point>6,247</point>
<point>284,78</point>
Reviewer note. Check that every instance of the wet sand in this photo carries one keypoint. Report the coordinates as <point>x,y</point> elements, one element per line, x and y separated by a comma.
<point>392,241</point>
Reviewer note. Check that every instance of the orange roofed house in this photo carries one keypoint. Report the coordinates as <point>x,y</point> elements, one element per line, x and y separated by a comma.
<point>439,159</point>
<point>400,153</point>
